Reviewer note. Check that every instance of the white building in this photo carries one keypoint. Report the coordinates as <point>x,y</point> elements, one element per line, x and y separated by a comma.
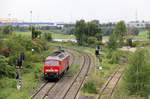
<point>137,24</point>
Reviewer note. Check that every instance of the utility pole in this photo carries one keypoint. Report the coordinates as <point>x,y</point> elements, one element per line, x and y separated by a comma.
<point>31,23</point>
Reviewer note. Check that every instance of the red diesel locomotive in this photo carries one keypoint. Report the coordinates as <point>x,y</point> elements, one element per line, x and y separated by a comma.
<point>56,64</point>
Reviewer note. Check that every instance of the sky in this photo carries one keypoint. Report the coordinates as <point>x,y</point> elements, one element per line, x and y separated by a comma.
<point>72,10</point>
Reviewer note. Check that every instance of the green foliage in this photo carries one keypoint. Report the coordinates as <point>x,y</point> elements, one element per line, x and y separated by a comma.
<point>149,33</point>
<point>129,42</point>
<point>8,83</point>
<point>5,69</point>
<point>80,32</point>
<point>112,43</point>
<point>141,43</point>
<point>85,30</point>
<point>17,44</point>
<point>137,75</point>
<point>35,33</point>
<point>120,32</point>
<point>106,31</point>
<point>89,87</point>
<point>7,29</point>
<point>114,56</point>
<point>48,36</point>
<point>20,28</point>
<point>92,41</point>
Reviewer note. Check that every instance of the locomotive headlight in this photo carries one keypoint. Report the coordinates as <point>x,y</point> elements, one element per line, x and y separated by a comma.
<point>56,70</point>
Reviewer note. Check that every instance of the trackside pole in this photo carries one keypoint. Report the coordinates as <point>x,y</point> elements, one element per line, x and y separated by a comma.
<point>100,59</point>
<point>19,79</point>
<point>97,54</point>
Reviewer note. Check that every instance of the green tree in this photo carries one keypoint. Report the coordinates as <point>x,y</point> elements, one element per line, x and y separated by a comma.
<point>5,69</point>
<point>120,31</point>
<point>84,30</point>
<point>80,32</point>
<point>35,33</point>
<point>7,29</point>
<point>112,43</point>
<point>92,41</point>
<point>96,21</point>
<point>137,77</point>
<point>149,33</point>
<point>93,29</point>
<point>48,36</point>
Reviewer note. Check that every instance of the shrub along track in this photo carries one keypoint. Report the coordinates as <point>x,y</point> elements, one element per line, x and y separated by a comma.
<point>67,87</point>
<point>108,88</point>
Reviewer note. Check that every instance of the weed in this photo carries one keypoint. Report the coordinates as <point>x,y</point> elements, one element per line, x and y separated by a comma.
<point>89,87</point>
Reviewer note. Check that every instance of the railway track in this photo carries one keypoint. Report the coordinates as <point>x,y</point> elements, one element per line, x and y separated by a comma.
<point>67,87</point>
<point>108,88</point>
<point>70,87</point>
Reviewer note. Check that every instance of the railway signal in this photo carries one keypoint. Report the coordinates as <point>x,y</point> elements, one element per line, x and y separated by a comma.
<point>98,47</point>
<point>19,64</point>
<point>99,57</point>
<point>19,68</point>
<point>22,56</point>
<point>97,52</point>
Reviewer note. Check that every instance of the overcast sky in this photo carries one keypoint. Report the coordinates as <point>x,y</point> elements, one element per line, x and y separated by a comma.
<point>72,10</point>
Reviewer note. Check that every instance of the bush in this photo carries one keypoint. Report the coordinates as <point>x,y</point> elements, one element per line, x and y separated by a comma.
<point>92,41</point>
<point>40,45</point>
<point>5,51</point>
<point>114,56</point>
<point>8,83</point>
<point>89,87</point>
<point>48,36</point>
<point>129,42</point>
<point>137,75</point>
<point>141,43</point>
<point>107,31</point>
<point>112,43</point>
<point>5,69</point>
<point>7,29</point>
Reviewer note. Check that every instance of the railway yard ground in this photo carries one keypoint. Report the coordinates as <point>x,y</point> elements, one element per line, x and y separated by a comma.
<point>82,81</point>
<point>74,85</point>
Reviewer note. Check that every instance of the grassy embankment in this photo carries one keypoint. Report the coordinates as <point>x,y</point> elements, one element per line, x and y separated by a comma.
<point>31,72</point>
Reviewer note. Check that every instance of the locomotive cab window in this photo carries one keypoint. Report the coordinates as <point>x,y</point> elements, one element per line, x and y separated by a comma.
<point>48,63</point>
<point>52,63</point>
<point>55,63</point>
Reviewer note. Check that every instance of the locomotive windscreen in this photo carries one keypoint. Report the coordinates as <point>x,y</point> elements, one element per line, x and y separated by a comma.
<point>51,63</point>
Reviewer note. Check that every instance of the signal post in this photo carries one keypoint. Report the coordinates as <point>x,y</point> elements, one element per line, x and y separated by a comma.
<point>19,68</point>
<point>99,58</point>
